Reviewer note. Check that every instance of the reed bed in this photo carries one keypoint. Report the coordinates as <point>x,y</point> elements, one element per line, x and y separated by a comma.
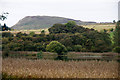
<point>23,68</point>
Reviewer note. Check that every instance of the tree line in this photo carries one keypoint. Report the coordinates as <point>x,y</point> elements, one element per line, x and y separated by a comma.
<point>73,37</point>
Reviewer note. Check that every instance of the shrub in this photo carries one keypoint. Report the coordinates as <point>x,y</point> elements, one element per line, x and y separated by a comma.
<point>58,48</point>
<point>39,55</point>
<point>69,48</point>
<point>111,29</point>
<point>83,50</point>
<point>43,32</point>
<point>117,34</point>
<point>39,47</point>
<point>77,48</point>
<point>14,46</point>
<point>32,33</point>
<point>7,34</point>
<point>70,24</point>
<point>105,30</point>
<point>20,34</point>
<point>5,53</point>
<point>117,49</point>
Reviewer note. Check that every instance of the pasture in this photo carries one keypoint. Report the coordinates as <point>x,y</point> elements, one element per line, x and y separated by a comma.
<point>98,27</point>
<point>37,31</point>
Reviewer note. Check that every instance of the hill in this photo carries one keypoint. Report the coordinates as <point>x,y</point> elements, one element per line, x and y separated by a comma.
<point>40,22</point>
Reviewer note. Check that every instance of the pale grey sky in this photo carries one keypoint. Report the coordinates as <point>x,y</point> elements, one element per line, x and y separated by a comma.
<point>85,10</point>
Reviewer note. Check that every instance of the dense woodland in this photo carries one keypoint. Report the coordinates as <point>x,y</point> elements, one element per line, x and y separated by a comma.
<point>73,37</point>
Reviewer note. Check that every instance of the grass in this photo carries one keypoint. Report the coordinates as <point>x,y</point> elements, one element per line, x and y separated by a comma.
<point>23,68</point>
<point>100,27</point>
<point>37,31</point>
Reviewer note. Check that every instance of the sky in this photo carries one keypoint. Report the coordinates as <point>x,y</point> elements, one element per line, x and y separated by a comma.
<point>84,10</point>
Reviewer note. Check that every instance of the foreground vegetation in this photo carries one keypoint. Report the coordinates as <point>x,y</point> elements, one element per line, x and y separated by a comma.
<point>22,68</point>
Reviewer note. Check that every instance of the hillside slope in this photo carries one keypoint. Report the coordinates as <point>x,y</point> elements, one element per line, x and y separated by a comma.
<point>40,22</point>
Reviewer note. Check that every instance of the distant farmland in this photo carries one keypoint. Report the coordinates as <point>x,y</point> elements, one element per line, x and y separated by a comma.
<point>98,27</point>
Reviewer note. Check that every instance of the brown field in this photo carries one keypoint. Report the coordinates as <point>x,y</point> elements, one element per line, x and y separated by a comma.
<point>23,68</point>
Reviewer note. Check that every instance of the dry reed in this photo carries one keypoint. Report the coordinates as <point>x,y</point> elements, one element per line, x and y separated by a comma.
<point>59,69</point>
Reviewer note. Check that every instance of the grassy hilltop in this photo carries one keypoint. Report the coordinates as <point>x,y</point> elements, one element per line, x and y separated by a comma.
<point>40,22</point>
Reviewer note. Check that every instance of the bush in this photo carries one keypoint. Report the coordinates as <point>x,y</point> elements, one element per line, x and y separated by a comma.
<point>105,30</point>
<point>19,34</point>
<point>43,32</point>
<point>117,49</point>
<point>5,53</point>
<point>83,50</point>
<point>77,48</point>
<point>58,48</point>
<point>7,34</point>
<point>32,33</point>
<point>111,29</point>
<point>69,48</point>
<point>14,46</point>
<point>39,55</point>
<point>117,34</point>
<point>39,47</point>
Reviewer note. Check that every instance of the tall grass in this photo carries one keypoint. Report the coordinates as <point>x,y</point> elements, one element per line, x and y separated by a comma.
<point>24,68</point>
